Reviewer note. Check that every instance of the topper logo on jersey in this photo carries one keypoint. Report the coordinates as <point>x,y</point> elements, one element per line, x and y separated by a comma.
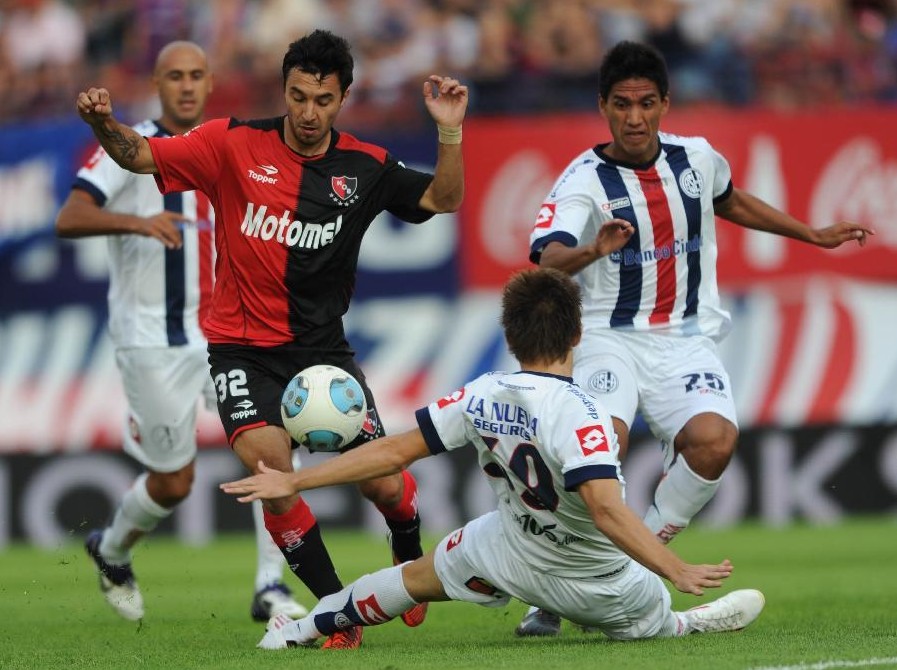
<point>263,178</point>
<point>285,230</point>
<point>592,439</point>
<point>545,215</point>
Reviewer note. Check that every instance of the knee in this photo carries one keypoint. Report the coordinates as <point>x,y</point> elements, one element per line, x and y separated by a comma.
<point>170,488</point>
<point>720,441</point>
<point>383,491</point>
<point>708,445</point>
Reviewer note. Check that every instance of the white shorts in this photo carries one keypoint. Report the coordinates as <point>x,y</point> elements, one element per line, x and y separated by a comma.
<point>474,565</point>
<point>162,386</point>
<point>669,378</point>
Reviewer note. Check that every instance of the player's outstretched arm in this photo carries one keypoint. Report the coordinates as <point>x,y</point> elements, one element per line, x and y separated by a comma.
<point>612,236</point>
<point>446,101</point>
<point>81,216</point>
<point>619,523</point>
<point>124,145</point>
<point>751,212</point>
<point>384,456</point>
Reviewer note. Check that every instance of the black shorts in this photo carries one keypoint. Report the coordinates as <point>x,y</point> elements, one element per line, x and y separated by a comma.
<point>249,382</point>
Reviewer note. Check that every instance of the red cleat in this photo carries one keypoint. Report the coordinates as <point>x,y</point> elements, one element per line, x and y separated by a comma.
<point>349,638</point>
<point>416,615</point>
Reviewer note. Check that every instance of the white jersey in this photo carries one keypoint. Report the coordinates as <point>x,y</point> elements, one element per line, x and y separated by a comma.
<point>156,295</point>
<point>665,276</point>
<point>538,437</point>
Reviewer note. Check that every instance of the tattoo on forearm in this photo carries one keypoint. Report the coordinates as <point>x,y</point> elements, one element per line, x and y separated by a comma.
<point>123,145</point>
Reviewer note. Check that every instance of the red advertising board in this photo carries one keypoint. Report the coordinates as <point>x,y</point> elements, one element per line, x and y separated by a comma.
<point>821,168</point>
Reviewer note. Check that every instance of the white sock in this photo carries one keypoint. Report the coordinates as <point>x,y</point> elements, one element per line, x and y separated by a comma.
<point>137,514</point>
<point>377,598</point>
<point>269,568</point>
<point>679,496</point>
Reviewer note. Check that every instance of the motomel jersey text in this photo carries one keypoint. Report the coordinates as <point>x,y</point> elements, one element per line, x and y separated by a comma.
<point>289,227</point>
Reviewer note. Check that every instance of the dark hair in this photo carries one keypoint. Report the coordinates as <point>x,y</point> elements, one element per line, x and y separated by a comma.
<point>320,53</point>
<point>541,314</point>
<point>632,60</point>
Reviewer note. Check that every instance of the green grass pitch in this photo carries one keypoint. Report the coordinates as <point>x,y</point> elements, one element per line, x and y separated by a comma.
<point>831,603</point>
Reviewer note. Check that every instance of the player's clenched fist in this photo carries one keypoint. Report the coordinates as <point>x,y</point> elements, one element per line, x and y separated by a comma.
<point>95,105</point>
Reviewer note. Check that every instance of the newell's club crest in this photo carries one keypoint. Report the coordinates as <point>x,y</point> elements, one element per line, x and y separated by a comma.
<point>344,187</point>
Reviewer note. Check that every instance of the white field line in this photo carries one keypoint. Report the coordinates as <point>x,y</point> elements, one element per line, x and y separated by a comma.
<point>831,665</point>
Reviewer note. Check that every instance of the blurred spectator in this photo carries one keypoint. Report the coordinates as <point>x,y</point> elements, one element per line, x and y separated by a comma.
<point>518,56</point>
<point>43,46</point>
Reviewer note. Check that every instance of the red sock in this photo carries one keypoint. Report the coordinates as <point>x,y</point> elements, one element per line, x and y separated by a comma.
<point>299,537</point>
<point>406,510</point>
<point>289,528</point>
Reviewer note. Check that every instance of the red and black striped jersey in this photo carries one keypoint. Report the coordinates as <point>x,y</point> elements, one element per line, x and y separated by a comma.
<point>288,227</point>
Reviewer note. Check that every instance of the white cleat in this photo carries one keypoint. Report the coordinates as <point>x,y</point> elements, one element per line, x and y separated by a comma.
<point>117,582</point>
<point>276,599</point>
<point>733,611</point>
<point>125,598</point>
<point>280,633</point>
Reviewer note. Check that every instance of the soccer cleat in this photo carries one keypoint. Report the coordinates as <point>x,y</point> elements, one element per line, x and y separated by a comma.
<point>348,638</point>
<point>733,611</point>
<point>415,616</point>
<point>539,623</point>
<point>275,599</point>
<point>117,582</point>
<point>281,633</point>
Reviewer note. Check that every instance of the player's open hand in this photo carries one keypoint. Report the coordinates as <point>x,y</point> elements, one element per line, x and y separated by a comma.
<point>695,578</point>
<point>165,227</point>
<point>446,100</point>
<point>94,106</point>
<point>841,232</point>
<point>267,484</point>
<point>613,236</point>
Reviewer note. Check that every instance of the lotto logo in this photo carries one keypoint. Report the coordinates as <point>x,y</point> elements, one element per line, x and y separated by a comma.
<point>592,439</point>
<point>449,399</point>
<point>546,215</point>
<point>370,610</point>
<point>454,540</point>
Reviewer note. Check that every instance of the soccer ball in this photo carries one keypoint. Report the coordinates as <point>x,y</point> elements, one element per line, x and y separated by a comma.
<point>323,408</point>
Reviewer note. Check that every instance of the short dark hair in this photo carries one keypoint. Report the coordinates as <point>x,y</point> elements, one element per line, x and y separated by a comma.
<point>632,60</point>
<point>320,53</point>
<point>541,315</point>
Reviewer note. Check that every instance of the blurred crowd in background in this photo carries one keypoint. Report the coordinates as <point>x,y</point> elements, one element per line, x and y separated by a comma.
<point>518,56</point>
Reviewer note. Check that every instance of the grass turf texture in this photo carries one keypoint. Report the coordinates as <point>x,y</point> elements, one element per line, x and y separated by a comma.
<point>830,594</point>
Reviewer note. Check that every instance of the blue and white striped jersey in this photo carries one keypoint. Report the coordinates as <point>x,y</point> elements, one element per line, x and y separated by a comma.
<point>665,276</point>
<point>157,296</point>
<point>538,437</point>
